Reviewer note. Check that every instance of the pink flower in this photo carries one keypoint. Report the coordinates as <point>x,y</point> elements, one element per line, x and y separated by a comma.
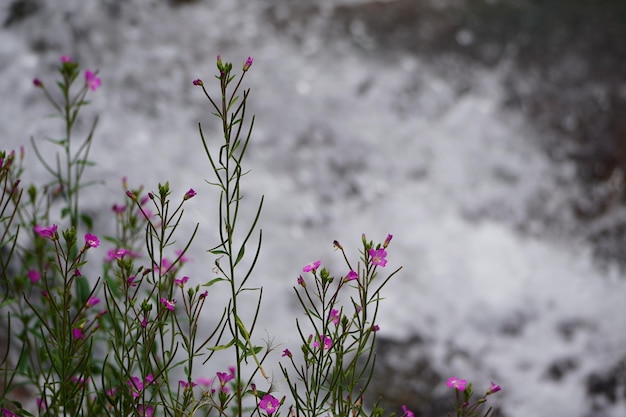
<point>8,413</point>
<point>77,333</point>
<point>65,58</point>
<point>91,241</point>
<point>92,301</point>
<point>77,273</point>
<point>269,404</point>
<point>247,64</point>
<point>207,382</point>
<point>181,282</point>
<point>204,294</point>
<point>92,80</point>
<point>375,328</point>
<point>387,240</point>
<point>493,388</point>
<point>223,377</point>
<point>47,232</point>
<point>168,304</point>
<point>131,281</point>
<point>457,383</point>
<point>301,282</point>
<point>185,384</point>
<point>287,353</point>
<point>37,83</point>
<point>118,209</point>
<point>189,194</point>
<point>182,258</point>
<point>116,254</point>
<point>351,276</point>
<point>33,275</point>
<point>378,257</point>
<point>312,267</point>
<point>334,316</point>
<point>406,412</point>
<point>198,81</point>
<point>145,410</point>
<point>328,342</point>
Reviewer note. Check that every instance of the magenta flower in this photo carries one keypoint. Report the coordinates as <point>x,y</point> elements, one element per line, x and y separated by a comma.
<point>312,267</point>
<point>189,194</point>
<point>269,404</point>
<point>8,413</point>
<point>47,232</point>
<point>247,64</point>
<point>207,382</point>
<point>406,412</point>
<point>181,282</point>
<point>92,80</point>
<point>351,276</point>
<point>375,328</point>
<point>91,241</point>
<point>387,240</point>
<point>493,388</point>
<point>77,333</point>
<point>198,81</point>
<point>301,282</point>
<point>77,273</point>
<point>116,254</point>
<point>33,275</point>
<point>456,383</point>
<point>378,257</point>
<point>65,58</point>
<point>204,294</point>
<point>182,258</point>
<point>145,410</point>
<point>328,342</point>
<point>131,281</point>
<point>118,209</point>
<point>334,316</point>
<point>169,304</point>
<point>287,353</point>
<point>185,384</point>
<point>92,301</point>
<point>37,83</point>
<point>223,377</point>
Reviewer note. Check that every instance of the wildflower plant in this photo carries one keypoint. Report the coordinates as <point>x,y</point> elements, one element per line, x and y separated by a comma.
<point>123,338</point>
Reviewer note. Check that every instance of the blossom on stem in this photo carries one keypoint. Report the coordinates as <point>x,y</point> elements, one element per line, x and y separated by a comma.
<point>287,353</point>
<point>312,267</point>
<point>189,194</point>
<point>351,276</point>
<point>185,384</point>
<point>47,232</point>
<point>181,282</point>
<point>91,241</point>
<point>92,301</point>
<point>33,275</point>
<point>77,333</point>
<point>65,58</point>
<point>456,383</point>
<point>169,304</point>
<point>198,81</point>
<point>387,240</point>
<point>493,388</point>
<point>247,64</point>
<point>269,404</point>
<point>92,80</point>
<point>327,341</point>
<point>301,282</point>
<point>145,410</point>
<point>406,412</point>
<point>378,257</point>
<point>334,316</point>
<point>37,83</point>
<point>116,254</point>
<point>118,209</point>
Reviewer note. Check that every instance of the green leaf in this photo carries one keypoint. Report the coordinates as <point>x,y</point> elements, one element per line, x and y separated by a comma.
<point>222,347</point>
<point>242,251</point>
<point>87,220</point>
<point>214,281</point>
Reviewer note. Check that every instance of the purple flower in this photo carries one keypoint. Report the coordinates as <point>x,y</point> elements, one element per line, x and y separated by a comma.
<point>312,267</point>
<point>118,209</point>
<point>37,83</point>
<point>169,304</point>
<point>77,333</point>
<point>334,316</point>
<point>223,377</point>
<point>269,404</point>
<point>33,275</point>
<point>287,353</point>
<point>189,194</point>
<point>145,410</point>
<point>378,257</point>
<point>456,383</point>
<point>247,64</point>
<point>182,281</point>
<point>47,232</point>
<point>92,301</point>
<point>375,328</point>
<point>387,240</point>
<point>406,412</point>
<point>92,80</point>
<point>65,58</point>
<point>91,241</point>
<point>327,341</point>
<point>185,384</point>
<point>351,276</point>
<point>198,82</point>
<point>493,388</point>
<point>301,282</point>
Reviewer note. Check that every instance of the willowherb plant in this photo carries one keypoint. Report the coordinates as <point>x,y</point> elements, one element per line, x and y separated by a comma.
<point>127,341</point>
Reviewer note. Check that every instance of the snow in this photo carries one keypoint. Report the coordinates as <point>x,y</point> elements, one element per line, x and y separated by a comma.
<point>346,143</point>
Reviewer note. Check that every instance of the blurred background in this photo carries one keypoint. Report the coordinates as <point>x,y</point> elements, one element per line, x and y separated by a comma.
<point>489,137</point>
